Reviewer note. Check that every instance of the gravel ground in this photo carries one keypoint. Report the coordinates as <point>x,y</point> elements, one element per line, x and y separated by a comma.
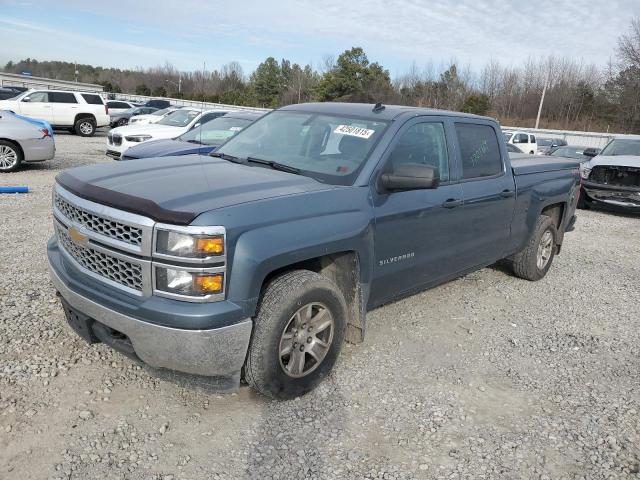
<point>484,377</point>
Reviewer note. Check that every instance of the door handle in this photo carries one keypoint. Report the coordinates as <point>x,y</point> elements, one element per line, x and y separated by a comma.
<point>452,203</point>
<point>507,193</point>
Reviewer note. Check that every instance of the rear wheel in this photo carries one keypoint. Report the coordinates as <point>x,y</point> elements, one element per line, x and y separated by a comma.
<point>10,156</point>
<point>122,122</point>
<point>297,336</point>
<point>534,261</point>
<point>85,127</point>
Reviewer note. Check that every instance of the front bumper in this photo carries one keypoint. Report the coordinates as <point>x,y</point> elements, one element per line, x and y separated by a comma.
<point>628,197</point>
<point>218,352</point>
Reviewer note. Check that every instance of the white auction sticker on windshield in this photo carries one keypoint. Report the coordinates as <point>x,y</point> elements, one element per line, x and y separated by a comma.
<point>235,129</point>
<point>354,131</point>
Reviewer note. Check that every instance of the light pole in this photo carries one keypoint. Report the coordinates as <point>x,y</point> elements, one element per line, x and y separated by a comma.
<point>179,83</point>
<point>544,91</point>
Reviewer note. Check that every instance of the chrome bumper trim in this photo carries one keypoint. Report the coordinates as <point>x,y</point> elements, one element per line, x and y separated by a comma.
<point>217,352</point>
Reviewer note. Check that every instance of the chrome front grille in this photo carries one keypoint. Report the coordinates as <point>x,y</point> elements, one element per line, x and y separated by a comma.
<point>104,226</point>
<point>122,272</point>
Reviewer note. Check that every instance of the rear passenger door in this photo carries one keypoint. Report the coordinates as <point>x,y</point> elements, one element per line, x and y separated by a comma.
<point>64,106</point>
<point>488,190</point>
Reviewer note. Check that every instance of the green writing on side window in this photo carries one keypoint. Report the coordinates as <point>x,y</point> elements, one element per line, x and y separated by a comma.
<point>479,153</point>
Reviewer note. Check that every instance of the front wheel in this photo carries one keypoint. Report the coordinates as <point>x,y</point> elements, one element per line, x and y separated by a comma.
<point>10,156</point>
<point>534,261</point>
<point>85,127</point>
<point>297,335</point>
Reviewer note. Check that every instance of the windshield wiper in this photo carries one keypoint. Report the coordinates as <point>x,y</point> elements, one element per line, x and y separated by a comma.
<point>224,156</point>
<point>274,165</point>
<point>195,141</point>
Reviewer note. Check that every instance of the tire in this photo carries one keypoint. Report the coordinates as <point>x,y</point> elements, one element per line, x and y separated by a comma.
<point>10,157</point>
<point>283,311</point>
<point>85,127</point>
<point>122,122</point>
<point>528,263</point>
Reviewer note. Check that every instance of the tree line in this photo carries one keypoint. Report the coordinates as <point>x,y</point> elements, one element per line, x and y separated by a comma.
<point>578,96</point>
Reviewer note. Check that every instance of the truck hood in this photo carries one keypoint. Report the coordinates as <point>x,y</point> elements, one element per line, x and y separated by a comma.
<point>615,160</point>
<point>165,148</point>
<point>178,189</point>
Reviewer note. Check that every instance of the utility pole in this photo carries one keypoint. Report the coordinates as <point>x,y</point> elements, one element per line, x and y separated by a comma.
<point>544,91</point>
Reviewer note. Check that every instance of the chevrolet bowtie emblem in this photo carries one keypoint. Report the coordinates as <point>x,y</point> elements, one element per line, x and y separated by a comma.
<point>76,236</point>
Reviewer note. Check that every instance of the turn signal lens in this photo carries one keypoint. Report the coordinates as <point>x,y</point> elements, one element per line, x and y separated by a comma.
<point>211,245</point>
<point>208,284</point>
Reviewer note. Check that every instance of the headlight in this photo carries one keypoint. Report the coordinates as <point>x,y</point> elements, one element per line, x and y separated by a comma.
<point>189,245</point>
<point>189,262</point>
<point>138,138</point>
<point>585,171</point>
<point>195,285</point>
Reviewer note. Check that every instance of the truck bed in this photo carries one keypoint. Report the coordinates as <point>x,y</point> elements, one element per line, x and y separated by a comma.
<point>523,164</point>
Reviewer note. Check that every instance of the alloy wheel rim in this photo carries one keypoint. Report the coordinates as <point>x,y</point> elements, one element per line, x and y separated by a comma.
<point>8,157</point>
<point>545,247</point>
<point>86,127</point>
<point>306,340</point>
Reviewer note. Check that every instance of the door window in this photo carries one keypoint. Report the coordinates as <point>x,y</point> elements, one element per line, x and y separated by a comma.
<point>521,138</point>
<point>63,97</point>
<point>92,99</point>
<point>423,143</point>
<point>532,138</point>
<point>479,150</point>
<point>38,97</point>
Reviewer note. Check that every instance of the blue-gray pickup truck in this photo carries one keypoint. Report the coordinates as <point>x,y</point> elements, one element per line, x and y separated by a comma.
<point>258,262</point>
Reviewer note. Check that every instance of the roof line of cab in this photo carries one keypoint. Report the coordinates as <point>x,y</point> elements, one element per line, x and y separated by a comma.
<point>366,110</point>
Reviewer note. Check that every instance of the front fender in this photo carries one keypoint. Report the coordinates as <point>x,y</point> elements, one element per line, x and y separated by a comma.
<point>261,251</point>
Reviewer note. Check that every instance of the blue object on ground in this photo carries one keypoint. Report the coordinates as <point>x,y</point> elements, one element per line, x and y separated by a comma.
<point>14,189</point>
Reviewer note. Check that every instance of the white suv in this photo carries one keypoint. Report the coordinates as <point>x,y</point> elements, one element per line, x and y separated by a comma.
<point>80,112</point>
<point>523,140</point>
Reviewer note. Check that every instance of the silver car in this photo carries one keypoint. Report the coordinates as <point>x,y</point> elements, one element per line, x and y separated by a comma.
<point>23,140</point>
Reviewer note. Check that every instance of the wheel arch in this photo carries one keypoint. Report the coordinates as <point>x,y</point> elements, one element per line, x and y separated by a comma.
<point>81,116</point>
<point>15,143</point>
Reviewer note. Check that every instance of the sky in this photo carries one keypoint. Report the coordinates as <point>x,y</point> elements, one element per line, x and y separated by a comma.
<point>395,33</point>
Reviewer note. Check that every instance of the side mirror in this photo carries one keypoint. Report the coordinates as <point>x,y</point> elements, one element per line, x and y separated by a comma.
<point>195,125</point>
<point>590,152</point>
<point>410,176</point>
<point>26,99</point>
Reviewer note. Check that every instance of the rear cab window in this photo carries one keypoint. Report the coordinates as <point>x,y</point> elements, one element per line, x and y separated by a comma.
<point>479,150</point>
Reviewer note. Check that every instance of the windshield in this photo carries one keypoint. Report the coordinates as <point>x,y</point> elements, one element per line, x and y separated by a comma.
<point>331,149</point>
<point>179,118</point>
<point>622,147</point>
<point>545,142</point>
<point>162,112</point>
<point>507,135</point>
<point>215,131</point>
<point>570,152</point>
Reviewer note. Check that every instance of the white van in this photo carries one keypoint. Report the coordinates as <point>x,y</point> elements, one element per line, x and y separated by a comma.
<point>80,112</point>
<point>523,140</point>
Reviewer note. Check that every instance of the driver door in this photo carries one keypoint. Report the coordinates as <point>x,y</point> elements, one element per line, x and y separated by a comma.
<point>37,105</point>
<point>417,231</point>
